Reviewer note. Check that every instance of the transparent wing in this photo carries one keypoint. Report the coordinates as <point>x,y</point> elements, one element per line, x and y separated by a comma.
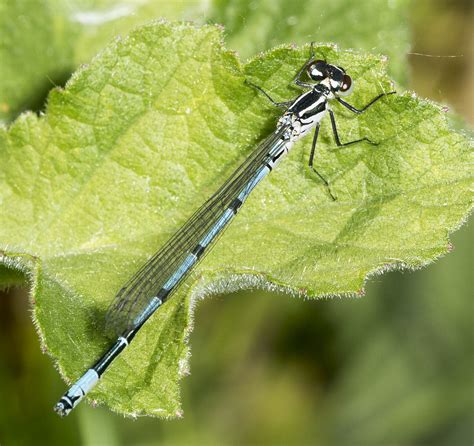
<point>136,295</point>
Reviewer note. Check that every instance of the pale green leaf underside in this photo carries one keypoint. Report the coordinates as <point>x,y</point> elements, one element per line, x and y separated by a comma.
<point>147,132</point>
<point>10,277</point>
<point>44,41</point>
<point>372,25</point>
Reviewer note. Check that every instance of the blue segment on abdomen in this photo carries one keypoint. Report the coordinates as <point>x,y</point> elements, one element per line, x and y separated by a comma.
<point>253,182</point>
<point>191,259</point>
<point>226,216</point>
<point>180,272</point>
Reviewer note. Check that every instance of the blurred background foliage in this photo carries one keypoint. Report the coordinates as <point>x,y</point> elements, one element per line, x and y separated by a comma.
<point>393,367</point>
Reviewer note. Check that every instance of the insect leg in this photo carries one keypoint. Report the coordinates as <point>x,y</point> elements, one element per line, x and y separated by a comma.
<point>336,136</point>
<point>297,79</point>
<point>261,90</point>
<point>363,109</point>
<point>311,159</point>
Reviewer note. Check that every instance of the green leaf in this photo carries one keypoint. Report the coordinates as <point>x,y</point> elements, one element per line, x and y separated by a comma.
<point>372,25</point>
<point>145,133</point>
<point>44,41</point>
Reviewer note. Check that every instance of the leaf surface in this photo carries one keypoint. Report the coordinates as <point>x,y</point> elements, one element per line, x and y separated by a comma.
<point>43,42</point>
<point>143,135</point>
<point>372,25</point>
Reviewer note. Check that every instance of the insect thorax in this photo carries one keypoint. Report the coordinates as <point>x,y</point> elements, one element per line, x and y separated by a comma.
<point>305,112</point>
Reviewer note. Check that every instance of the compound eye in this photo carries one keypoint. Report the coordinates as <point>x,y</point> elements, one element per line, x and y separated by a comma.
<point>336,75</point>
<point>317,70</point>
<point>346,86</point>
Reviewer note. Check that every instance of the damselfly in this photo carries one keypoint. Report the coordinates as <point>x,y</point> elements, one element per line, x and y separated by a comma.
<point>161,275</point>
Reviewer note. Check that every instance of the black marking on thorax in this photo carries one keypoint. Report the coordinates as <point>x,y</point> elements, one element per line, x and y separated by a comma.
<point>310,103</point>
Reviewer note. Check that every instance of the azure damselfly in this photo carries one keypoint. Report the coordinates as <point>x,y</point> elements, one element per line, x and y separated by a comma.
<point>162,274</point>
